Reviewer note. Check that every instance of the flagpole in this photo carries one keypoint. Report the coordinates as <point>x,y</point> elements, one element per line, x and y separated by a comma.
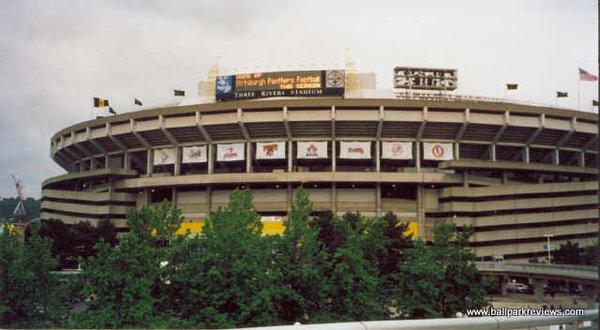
<point>579,94</point>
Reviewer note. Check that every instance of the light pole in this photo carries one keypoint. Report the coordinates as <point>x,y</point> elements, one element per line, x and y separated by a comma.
<point>548,246</point>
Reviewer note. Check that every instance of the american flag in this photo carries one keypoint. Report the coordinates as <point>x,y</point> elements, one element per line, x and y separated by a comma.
<point>586,76</point>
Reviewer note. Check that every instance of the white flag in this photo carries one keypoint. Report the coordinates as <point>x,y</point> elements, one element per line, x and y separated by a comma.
<point>438,151</point>
<point>311,150</point>
<point>355,150</point>
<point>270,150</point>
<point>196,154</point>
<point>396,150</point>
<point>230,152</point>
<point>164,156</point>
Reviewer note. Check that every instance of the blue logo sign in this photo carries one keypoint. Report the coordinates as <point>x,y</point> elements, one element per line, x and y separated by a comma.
<point>224,84</point>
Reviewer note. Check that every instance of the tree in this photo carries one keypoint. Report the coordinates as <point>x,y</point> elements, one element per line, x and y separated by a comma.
<point>27,287</point>
<point>569,253</point>
<point>124,282</point>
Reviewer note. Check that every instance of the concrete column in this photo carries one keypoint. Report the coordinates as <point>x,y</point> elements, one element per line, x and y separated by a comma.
<point>465,178</point>
<point>333,155</point>
<point>107,161</point>
<point>290,154</point>
<point>377,156</point>
<point>493,152</point>
<point>333,198</point>
<point>174,197</point>
<point>290,196</point>
<point>556,156</point>
<point>150,162</point>
<point>418,155</point>
<point>92,163</point>
<point>538,288</point>
<point>177,166</point>
<point>421,211</point>
<point>526,154</point>
<point>211,159</point>
<point>127,161</point>
<point>456,151</point>
<point>208,200</point>
<point>504,178</point>
<point>81,166</point>
<point>248,157</point>
<point>581,159</point>
<point>378,199</point>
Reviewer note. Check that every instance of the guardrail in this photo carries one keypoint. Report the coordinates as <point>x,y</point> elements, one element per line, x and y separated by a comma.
<point>464,98</point>
<point>589,273</point>
<point>515,322</point>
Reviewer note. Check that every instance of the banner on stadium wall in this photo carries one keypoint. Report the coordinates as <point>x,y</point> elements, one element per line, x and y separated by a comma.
<point>396,150</point>
<point>164,156</point>
<point>270,150</point>
<point>230,152</point>
<point>196,154</point>
<point>355,150</point>
<point>438,151</point>
<point>311,150</point>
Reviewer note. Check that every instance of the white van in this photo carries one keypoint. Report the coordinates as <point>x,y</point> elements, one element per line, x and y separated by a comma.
<point>517,287</point>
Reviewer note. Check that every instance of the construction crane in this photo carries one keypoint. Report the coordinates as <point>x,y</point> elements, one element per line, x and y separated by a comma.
<point>19,214</point>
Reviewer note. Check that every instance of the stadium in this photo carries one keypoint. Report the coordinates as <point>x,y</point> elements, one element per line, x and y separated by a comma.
<point>521,174</point>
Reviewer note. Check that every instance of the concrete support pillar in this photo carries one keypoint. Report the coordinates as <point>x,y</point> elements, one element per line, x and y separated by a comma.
<point>107,161</point>
<point>421,211</point>
<point>211,159</point>
<point>538,288</point>
<point>333,198</point>
<point>526,154</point>
<point>418,155</point>
<point>248,157</point>
<point>92,163</point>
<point>378,199</point>
<point>377,156</point>
<point>208,200</point>
<point>81,166</point>
<point>503,282</point>
<point>493,152</point>
<point>556,156</point>
<point>177,165</point>
<point>456,151</point>
<point>290,197</point>
<point>290,154</point>
<point>333,155</point>
<point>150,162</point>
<point>504,178</point>
<point>465,178</point>
<point>127,161</point>
<point>581,159</point>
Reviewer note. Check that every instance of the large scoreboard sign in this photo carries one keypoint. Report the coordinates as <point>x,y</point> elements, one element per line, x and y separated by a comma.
<point>280,84</point>
<point>425,78</point>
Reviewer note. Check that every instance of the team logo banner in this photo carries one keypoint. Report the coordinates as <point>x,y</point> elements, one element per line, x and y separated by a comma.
<point>230,152</point>
<point>355,150</point>
<point>311,150</point>
<point>270,150</point>
<point>438,151</point>
<point>396,150</point>
<point>164,156</point>
<point>195,154</point>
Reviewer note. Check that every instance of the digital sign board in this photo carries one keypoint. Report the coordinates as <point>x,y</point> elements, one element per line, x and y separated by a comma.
<point>425,78</point>
<point>280,84</point>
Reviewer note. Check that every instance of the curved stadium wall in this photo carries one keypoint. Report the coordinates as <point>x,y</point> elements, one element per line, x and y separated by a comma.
<point>514,172</point>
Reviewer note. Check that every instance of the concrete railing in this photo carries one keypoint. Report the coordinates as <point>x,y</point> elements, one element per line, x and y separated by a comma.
<point>515,322</point>
<point>588,273</point>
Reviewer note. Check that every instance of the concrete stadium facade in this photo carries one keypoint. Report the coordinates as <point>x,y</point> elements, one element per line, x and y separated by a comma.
<point>516,173</point>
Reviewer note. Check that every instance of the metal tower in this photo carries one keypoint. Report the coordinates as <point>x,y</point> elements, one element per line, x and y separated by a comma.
<point>19,215</point>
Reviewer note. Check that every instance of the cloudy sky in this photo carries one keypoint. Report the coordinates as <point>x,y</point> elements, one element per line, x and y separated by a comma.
<point>56,55</point>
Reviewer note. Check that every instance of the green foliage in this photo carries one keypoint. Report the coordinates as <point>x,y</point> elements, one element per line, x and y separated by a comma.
<point>27,288</point>
<point>571,254</point>
<point>72,241</point>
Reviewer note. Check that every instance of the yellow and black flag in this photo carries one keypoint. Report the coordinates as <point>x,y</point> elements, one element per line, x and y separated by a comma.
<point>178,92</point>
<point>100,102</point>
<point>562,94</point>
<point>512,86</point>
<point>137,102</point>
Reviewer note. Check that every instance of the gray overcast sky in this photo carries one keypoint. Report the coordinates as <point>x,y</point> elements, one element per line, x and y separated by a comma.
<point>56,55</point>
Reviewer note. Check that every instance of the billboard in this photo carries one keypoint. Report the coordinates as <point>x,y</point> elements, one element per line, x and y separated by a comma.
<point>425,78</point>
<point>315,83</point>
<point>438,151</point>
